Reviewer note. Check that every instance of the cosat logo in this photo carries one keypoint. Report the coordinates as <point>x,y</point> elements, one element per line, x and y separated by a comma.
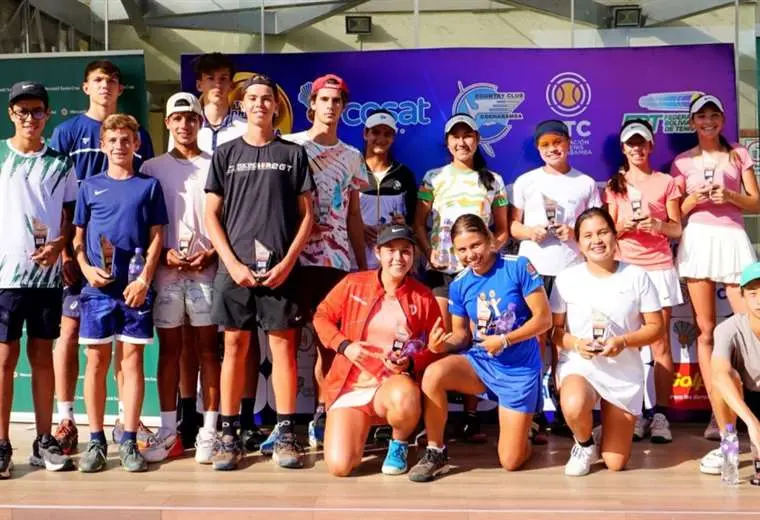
<point>408,112</point>
<point>491,109</point>
<point>668,111</point>
<point>568,94</point>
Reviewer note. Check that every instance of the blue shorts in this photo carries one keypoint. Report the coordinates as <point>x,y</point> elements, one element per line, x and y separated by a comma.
<point>105,318</point>
<point>71,300</point>
<point>514,387</point>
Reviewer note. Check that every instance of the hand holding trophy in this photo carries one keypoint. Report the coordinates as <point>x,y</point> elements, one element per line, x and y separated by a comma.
<point>45,254</point>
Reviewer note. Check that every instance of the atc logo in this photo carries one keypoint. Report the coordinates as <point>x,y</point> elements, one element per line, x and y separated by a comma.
<point>491,109</point>
<point>568,94</point>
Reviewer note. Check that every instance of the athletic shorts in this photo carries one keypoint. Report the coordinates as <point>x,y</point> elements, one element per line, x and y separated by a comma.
<point>39,308</point>
<point>752,400</point>
<point>247,308</point>
<point>439,282</point>
<point>362,399</point>
<point>517,388</point>
<point>183,300</point>
<point>317,282</point>
<point>71,300</point>
<point>106,317</point>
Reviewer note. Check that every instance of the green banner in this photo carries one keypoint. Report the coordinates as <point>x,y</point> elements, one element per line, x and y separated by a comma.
<point>63,75</point>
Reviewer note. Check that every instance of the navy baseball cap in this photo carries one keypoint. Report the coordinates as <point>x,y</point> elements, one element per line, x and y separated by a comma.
<point>393,232</point>
<point>28,89</point>
<point>551,126</point>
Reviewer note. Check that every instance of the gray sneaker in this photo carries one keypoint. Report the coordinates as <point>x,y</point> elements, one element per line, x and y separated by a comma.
<point>288,452</point>
<point>131,458</point>
<point>94,459</point>
<point>228,453</point>
<point>47,453</point>
<point>6,464</point>
<point>432,464</point>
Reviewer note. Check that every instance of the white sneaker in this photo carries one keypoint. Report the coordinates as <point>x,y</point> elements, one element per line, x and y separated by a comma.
<point>712,463</point>
<point>712,432</point>
<point>204,446</point>
<point>642,428</point>
<point>581,460</point>
<point>661,429</point>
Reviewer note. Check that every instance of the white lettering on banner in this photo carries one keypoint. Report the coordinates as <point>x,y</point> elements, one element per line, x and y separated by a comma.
<point>408,112</point>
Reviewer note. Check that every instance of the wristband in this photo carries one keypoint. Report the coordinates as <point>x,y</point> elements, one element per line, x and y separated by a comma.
<point>343,346</point>
<point>142,281</point>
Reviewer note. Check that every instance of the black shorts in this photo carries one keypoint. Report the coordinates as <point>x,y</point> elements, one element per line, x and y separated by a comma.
<point>548,284</point>
<point>439,282</point>
<point>315,283</point>
<point>39,308</point>
<point>255,308</point>
<point>752,400</point>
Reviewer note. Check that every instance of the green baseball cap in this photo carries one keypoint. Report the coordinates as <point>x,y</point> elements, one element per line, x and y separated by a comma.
<point>750,273</point>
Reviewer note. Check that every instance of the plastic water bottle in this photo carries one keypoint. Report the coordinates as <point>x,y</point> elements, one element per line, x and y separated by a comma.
<point>729,447</point>
<point>136,265</point>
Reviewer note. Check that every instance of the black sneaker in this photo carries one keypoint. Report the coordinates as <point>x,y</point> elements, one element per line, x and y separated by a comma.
<point>6,464</point>
<point>432,464</point>
<point>188,429</point>
<point>469,430</point>
<point>227,454</point>
<point>47,453</point>
<point>252,439</point>
<point>288,452</point>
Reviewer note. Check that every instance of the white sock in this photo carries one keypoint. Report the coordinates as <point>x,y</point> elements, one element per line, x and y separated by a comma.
<point>209,420</point>
<point>436,448</point>
<point>121,411</point>
<point>66,410</point>
<point>169,422</point>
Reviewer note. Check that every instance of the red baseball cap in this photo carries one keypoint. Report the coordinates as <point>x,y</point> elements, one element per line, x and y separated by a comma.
<point>329,81</point>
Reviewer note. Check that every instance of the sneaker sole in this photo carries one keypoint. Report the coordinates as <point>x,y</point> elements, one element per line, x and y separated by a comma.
<point>230,466</point>
<point>425,478</point>
<point>7,473</point>
<point>661,440</point>
<point>708,470</point>
<point>390,470</point>
<point>287,464</point>
<point>141,469</point>
<point>93,470</point>
<point>204,461</point>
<point>39,462</point>
<point>577,474</point>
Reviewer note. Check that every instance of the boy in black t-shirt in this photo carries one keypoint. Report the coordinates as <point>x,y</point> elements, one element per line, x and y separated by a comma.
<point>259,215</point>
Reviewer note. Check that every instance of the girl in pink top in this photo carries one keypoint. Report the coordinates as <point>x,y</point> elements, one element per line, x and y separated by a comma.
<point>646,207</point>
<point>718,183</point>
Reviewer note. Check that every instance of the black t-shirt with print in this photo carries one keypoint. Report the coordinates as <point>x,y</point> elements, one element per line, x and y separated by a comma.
<point>260,186</point>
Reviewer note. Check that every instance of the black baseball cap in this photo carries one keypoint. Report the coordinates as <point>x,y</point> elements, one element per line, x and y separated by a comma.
<point>28,89</point>
<point>551,126</point>
<point>395,232</point>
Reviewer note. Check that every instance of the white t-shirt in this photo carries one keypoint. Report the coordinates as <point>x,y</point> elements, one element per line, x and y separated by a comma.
<point>337,170</point>
<point>571,194</point>
<point>620,299</point>
<point>33,187</point>
<point>183,182</point>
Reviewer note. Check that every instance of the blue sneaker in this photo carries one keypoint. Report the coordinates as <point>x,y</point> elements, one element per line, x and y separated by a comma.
<point>316,435</point>
<point>395,460</point>
<point>267,447</point>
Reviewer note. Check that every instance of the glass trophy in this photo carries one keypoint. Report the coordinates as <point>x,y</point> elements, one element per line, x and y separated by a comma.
<point>185,244</point>
<point>107,252</point>
<point>39,232</point>
<point>599,324</point>
<point>261,257</point>
<point>550,208</point>
<point>399,342</point>
<point>708,166</point>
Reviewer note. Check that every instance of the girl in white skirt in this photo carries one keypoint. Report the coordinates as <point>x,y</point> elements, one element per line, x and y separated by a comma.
<point>718,183</point>
<point>604,310</point>
<point>646,207</point>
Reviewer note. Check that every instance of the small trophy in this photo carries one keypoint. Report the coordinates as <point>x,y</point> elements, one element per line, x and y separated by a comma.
<point>39,232</point>
<point>107,252</point>
<point>708,166</point>
<point>550,208</point>
<point>261,256</point>
<point>185,244</point>
<point>599,324</point>
<point>399,342</point>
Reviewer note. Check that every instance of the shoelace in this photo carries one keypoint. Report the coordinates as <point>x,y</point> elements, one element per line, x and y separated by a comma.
<point>431,457</point>
<point>395,450</point>
<point>50,443</point>
<point>659,421</point>
<point>578,452</point>
<point>63,430</point>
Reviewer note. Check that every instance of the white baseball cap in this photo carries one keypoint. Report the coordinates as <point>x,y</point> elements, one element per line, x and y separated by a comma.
<point>381,118</point>
<point>703,100</point>
<point>460,118</point>
<point>183,102</point>
<point>636,129</point>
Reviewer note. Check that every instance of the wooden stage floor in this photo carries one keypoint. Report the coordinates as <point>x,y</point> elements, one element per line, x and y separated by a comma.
<point>661,482</point>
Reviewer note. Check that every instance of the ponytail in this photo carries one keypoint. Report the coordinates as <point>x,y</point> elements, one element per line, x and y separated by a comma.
<point>617,183</point>
<point>485,176</point>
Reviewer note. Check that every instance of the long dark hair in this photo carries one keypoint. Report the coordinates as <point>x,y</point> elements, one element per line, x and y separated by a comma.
<point>469,223</point>
<point>485,176</point>
<point>617,183</point>
<point>591,213</point>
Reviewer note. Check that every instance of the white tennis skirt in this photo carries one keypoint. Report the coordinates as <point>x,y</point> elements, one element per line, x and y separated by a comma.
<point>668,286</point>
<point>714,253</point>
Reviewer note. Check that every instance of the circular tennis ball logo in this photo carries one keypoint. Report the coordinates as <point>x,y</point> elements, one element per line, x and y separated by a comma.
<point>568,94</point>
<point>284,120</point>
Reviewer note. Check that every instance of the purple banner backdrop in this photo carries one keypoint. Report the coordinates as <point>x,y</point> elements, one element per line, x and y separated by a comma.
<point>508,91</point>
